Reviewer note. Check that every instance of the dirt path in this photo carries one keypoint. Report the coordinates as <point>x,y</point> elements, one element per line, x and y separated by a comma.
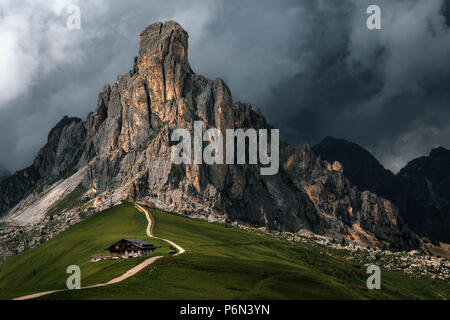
<point>150,230</point>
<point>127,274</point>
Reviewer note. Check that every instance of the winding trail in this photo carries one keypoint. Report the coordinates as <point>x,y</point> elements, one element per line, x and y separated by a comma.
<point>127,274</point>
<point>150,230</point>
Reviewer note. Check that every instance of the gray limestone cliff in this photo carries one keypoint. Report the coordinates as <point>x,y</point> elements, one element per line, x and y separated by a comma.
<point>125,147</point>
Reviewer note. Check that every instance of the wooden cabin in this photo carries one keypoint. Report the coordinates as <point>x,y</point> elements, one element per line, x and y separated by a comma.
<point>131,248</point>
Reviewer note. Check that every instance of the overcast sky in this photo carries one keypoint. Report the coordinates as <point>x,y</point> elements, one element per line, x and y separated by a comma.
<point>312,66</point>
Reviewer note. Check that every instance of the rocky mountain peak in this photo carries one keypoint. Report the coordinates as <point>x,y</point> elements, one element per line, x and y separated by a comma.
<point>440,151</point>
<point>359,166</point>
<point>330,147</point>
<point>420,190</point>
<point>55,133</point>
<point>161,39</point>
<point>163,53</point>
<point>126,156</point>
<point>101,113</point>
<point>435,165</point>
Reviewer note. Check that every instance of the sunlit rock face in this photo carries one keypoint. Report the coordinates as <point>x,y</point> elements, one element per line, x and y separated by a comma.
<point>126,150</point>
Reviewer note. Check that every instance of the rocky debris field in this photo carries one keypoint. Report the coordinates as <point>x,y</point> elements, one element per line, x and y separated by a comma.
<point>414,262</point>
<point>15,239</point>
<point>411,262</point>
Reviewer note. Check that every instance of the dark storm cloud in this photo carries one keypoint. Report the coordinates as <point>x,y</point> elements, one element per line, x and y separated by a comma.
<point>387,90</point>
<point>312,66</point>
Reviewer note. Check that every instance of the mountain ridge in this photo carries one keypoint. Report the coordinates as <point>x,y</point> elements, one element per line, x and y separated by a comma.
<point>124,149</point>
<point>4,173</point>
<point>420,190</point>
<point>56,159</point>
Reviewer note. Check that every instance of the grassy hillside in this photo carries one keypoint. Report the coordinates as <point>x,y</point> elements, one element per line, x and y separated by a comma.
<point>221,262</point>
<point>44,267</point>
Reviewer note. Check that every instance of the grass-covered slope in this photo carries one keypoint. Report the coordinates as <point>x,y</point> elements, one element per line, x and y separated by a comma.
<point>44,267</point>
<point>221,262</point>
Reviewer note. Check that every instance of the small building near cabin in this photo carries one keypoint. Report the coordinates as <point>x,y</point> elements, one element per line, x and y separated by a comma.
<point>131,248</point>
<point>103,256</point>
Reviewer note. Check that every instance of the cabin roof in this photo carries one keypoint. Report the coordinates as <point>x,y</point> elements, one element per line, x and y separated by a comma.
<point>135,242</point>
<point>139,242</point>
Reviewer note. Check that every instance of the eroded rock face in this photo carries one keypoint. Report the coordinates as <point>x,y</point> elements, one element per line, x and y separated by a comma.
<point>63,149</point>
<point>57,159</point>
<point>127,154</point>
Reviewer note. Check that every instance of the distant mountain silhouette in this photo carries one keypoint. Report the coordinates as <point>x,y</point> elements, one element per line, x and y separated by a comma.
<point>122,152</point>
<point>421,190</point>
<point>427,183</point>
<point>4,173</point>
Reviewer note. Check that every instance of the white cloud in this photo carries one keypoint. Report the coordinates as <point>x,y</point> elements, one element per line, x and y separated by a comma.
<point>17,61</point>
<point>34,42</point>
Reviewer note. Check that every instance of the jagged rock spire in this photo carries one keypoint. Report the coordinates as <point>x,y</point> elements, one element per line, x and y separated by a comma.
<point>163,58</point>
<point>161,39</point>
<point>127,154</point>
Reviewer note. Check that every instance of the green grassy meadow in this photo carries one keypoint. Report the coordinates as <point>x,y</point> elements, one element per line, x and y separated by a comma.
<point>44,267</point>
<point>221,262</point>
